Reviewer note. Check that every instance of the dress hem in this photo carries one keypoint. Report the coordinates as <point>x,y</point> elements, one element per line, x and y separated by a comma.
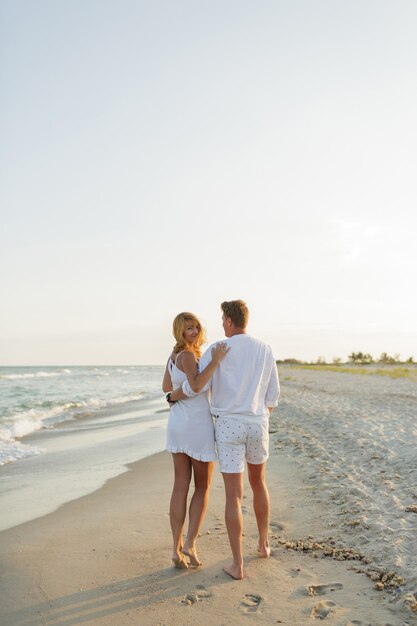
<point>194,455</point>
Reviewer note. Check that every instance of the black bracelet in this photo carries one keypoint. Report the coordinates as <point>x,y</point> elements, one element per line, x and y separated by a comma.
<point>168,398</point>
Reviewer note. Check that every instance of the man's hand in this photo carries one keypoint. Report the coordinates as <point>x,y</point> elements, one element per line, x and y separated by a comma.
<point>177,394</point>
<point>169,400</point>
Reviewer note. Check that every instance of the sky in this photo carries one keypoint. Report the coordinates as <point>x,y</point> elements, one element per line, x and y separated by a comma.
<point>165,156</point>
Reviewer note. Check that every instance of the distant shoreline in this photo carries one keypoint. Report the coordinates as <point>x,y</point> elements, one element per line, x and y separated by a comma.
<point>397,370</point>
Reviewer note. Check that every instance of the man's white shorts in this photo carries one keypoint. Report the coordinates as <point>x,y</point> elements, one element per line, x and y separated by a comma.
<point>237,441</point>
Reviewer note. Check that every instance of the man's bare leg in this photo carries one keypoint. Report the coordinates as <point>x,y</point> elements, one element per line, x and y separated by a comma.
<point>233,484</point>
<point>256,475</point>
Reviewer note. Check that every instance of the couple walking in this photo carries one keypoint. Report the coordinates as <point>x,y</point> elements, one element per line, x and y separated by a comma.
<point>236,382</point>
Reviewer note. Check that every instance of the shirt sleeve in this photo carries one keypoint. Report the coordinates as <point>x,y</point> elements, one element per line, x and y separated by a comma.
<point>204,361</point>
<point>273,391</point>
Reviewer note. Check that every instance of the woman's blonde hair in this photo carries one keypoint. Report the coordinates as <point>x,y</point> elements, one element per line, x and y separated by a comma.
<point>178,327</point>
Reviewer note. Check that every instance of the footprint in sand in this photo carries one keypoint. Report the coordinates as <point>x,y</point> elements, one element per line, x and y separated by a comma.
<point>321,590</point>
<point>322,609</point>
<point>198,595</point>
<point>276,526</point>
<point>251,602</point>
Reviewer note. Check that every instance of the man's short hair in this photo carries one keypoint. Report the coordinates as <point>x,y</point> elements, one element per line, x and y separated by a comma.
<point>237,311</point>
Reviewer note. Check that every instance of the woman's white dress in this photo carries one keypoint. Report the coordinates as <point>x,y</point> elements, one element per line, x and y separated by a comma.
<point>190,424</point>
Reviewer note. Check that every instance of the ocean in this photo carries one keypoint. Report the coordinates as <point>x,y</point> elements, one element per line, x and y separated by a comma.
<point>35,398</point>
<point>65,431</point>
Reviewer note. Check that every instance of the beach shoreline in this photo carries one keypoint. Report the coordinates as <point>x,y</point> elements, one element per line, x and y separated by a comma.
<point>77,457</point>
<point>105,558</point>
<point>340,481</point>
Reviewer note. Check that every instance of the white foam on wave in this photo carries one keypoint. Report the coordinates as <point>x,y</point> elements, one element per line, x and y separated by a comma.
<point>130,398</point>
<point>12,450</point>
<point>27,422</point>
<point>42,397</point>
<point>28,375</point>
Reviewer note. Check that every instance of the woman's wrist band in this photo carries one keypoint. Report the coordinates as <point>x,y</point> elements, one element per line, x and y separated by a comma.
<point>168,398</point>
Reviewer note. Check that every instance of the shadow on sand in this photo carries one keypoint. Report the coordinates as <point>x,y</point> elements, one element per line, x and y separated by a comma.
<point>113,599</point>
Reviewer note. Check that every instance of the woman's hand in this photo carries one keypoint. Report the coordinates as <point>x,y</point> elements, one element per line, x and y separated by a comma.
<point>197,380</point>
<point>219,351</point>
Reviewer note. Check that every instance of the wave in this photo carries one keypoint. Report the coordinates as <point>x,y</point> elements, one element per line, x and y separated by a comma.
<point>24,423</point>
<point>12,450</point>
<point>41,397</point>
<point>40,374</point>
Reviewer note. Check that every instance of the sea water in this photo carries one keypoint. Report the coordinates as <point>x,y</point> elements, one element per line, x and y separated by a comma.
<point>41,398</point>
<point>65,431</point>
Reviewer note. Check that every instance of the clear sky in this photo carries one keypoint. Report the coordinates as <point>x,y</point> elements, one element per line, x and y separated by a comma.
<point>166,155</point>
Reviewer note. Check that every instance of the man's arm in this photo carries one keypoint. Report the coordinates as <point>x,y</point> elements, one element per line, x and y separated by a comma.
<point>273,391</point>
<point>178,394</point>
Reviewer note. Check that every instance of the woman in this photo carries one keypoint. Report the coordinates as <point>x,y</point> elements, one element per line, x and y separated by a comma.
<point>190,434</point>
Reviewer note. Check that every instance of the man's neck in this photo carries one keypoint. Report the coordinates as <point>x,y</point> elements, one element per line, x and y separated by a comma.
<point>237,331</point>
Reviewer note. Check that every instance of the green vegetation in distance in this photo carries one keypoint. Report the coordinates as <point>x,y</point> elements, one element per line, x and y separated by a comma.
<point>393,372</point>
<point>356,360</point>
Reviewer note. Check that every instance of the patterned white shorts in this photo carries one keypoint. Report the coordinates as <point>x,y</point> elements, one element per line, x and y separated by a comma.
<point>237,441</point>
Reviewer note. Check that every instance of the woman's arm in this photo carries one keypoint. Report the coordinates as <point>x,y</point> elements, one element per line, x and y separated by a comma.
<point>188,364</point>
<point>167,382</point>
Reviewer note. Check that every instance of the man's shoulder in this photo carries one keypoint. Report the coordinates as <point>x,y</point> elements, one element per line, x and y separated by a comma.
<point>207,352</point>
<point>259,342</point>
<point>251,345</point>
<point>213,345</point>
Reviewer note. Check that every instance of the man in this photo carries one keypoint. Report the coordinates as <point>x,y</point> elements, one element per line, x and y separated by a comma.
<point>244,389</point>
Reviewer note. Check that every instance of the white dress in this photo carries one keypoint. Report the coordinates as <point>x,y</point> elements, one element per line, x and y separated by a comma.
<point>190,424</point>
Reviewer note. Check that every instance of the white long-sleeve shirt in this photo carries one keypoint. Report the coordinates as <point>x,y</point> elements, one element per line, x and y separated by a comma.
<point>245,383</point>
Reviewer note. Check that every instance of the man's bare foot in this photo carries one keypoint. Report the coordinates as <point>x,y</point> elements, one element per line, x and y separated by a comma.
<point>179,562</point>
<point>264,551</point>
<point>192,555</point>
<point>235,571</point>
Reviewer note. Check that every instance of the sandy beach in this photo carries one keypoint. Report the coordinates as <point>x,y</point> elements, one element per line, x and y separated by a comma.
<point>104,559</point>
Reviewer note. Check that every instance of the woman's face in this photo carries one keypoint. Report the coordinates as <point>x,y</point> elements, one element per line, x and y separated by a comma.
<point>191,332</point>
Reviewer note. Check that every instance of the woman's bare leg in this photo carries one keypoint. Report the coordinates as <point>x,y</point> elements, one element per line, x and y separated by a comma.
<point>198,507</point>
<point>178,505</point>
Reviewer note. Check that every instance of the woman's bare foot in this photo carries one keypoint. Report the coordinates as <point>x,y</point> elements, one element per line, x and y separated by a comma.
<point>235,571</point>
<point>264,551</point>
<point>192,555</point>
<point>179,561</point>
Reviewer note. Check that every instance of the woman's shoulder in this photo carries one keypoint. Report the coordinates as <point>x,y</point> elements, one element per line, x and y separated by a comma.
<point>185,355</point>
